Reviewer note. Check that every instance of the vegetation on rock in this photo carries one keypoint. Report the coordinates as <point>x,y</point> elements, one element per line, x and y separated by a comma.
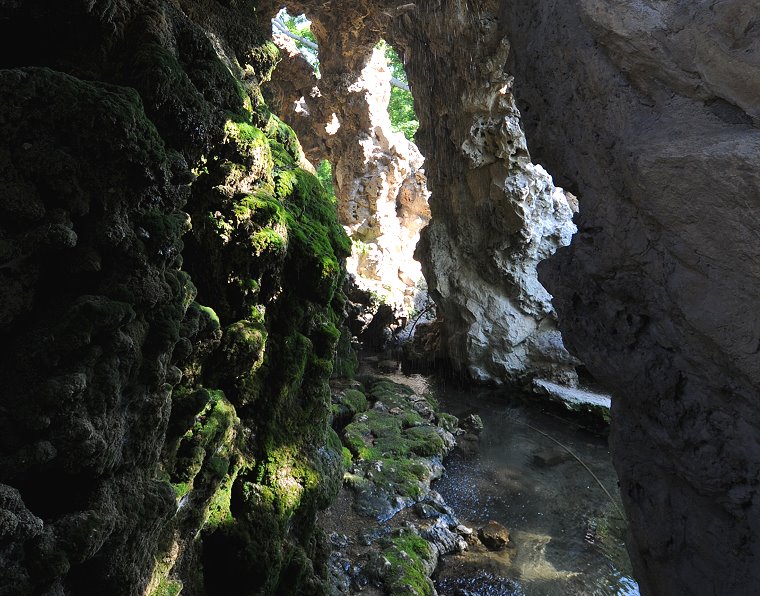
<point>168,374</point>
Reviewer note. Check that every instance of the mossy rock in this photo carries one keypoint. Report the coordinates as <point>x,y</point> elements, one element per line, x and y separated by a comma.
<point>376,434</point>
<point>346,359</point>
<point>354,400</point>
<point>412,561</point>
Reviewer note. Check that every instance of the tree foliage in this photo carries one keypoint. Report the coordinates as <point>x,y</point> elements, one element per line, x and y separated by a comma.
<point>401,105</point>
<point>300,27</point>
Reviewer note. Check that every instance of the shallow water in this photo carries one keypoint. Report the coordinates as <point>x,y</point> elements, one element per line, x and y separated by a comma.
<point>566,531</point>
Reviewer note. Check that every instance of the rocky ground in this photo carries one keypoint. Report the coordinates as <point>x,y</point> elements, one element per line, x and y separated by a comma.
<point>388,529</point>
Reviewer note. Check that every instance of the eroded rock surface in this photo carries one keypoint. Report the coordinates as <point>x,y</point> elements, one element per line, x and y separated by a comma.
<point>495,214</point>
<point>380,184</point>
<point>649,110</point>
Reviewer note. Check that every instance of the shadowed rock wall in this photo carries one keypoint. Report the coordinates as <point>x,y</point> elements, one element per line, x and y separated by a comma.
<point>140,403</point>
<point>650,112</point>
<point>168,306</point>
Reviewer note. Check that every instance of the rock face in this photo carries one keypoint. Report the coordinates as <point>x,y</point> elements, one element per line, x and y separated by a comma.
<point>169,299</point>
<point>165,374</point>
<point>650,112</point>
<point>495,214</point>
<point>380,185</point>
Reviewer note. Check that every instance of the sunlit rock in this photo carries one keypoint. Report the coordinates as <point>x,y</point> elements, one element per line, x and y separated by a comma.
<point>380,182</point>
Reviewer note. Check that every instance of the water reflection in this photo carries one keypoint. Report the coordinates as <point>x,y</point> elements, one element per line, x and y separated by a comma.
<point>566,530</point>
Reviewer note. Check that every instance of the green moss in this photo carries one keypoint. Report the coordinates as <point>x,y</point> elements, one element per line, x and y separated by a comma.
<point>376,434</point>
<point>325,337</point>
<point>206,447</point>
<point>267,253</point>
<point>354,400</point>
<point>268,240</point>
<point>448,422</point>
<point>218,466</point>
<point>261,208</point>
<point>168,587</point>
<point>403,476</point>
<point>210,316</point>
<point>263,58</point>
<point>218,512</point>
<point>284,478</point>
<point>180,489</point>
<point>170,95</point>
<point>239,360</point>
<point>318,244</point>
<point>347,458</point>
<point>333,440</point>
<point>250,141</point>
<point>216,420</point>
<point>346,360</point>
<point>411,558</point>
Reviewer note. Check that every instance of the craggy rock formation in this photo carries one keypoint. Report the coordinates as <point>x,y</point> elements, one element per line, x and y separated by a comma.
<point>169,273</point>
<point>379,182</point>
<point>169,280</point>
<point>495,214</point>
<point>650,111</point>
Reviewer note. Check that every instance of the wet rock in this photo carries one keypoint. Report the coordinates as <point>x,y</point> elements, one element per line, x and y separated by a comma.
<point>550,456</point>
<point>494,535</point>
<point>472,424</point>
<point>435,499</point>
<point>422,407</point>
<point>426,511</point>
<point>574,399</point>
<point>469,445</point>
<point>339,540</point>
<point>388,365</point>
<point>448,422</point>
<point>448,439</point>
<point>368,536</point>
<point>378,567</point>
<point>443,538</point>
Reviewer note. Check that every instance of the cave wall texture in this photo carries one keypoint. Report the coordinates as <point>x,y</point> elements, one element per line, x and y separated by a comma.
<point>168,307</point>
<point>495,213</point>
<point>649,111</point>
<point>168,272</point>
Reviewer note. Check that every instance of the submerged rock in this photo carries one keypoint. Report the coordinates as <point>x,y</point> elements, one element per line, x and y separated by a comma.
<point>494,535</point>
<point>574,399</point>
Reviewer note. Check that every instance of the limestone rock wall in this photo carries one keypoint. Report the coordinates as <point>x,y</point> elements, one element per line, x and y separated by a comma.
<point>495,214</point>
<point>169,303</point>
<point>649,111</point>
<point>380,184</point>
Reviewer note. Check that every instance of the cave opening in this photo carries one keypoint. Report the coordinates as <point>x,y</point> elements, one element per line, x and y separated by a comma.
<point>172,342</point>
<point>362,122</point>
<point>482,259</point>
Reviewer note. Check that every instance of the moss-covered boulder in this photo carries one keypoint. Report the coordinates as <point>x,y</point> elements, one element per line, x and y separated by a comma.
<point>396,451</point>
